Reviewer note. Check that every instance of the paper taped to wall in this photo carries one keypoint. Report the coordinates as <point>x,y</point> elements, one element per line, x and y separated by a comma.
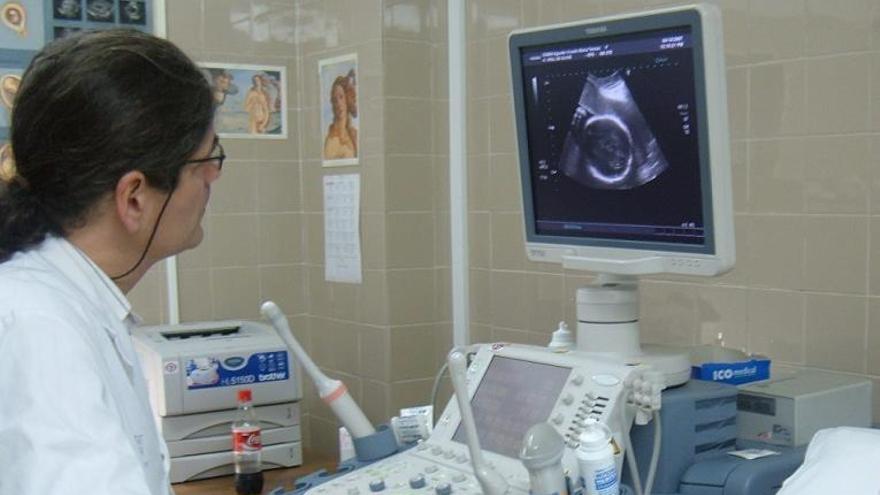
<point>342,239</point>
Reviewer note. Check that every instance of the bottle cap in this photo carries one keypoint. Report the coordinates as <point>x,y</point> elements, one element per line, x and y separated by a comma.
<point>244,395</point>
<point>595,436</point>
<point>562,339</point>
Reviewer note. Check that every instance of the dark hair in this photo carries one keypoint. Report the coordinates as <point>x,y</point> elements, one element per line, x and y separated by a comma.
<point>90,109</point>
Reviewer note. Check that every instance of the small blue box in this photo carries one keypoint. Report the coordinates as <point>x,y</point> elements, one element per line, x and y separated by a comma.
<point>734,373</point>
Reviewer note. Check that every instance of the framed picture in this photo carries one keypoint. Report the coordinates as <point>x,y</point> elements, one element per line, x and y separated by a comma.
<point>68,17</point>
<point>339,110</point>
<point>27,25</point>
<point>22,25</point>
<point>251,100</point>
<point>10,79</point>
<point>7,164</point>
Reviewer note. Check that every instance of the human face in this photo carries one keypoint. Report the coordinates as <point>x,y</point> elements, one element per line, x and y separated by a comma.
<point>221,82</point>
<point>181,226</point>
<point>13,16</point>
<point>340,107</point>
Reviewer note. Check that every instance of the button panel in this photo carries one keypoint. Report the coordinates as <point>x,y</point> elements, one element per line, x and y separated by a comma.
<point>427,469</point>
<point>442,466</point>
<point>591,406</point>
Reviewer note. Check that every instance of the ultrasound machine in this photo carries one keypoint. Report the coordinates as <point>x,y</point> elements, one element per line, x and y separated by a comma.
<point>625,162</point>
<point>621,125</point>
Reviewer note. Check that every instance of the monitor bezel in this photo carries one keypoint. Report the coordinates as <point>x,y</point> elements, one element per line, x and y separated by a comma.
<point>692,17</point>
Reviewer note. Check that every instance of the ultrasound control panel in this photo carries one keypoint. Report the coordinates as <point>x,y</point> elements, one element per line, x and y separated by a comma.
<point>511,388</point>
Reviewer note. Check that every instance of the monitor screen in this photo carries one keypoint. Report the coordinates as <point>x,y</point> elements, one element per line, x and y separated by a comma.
<point>513,396</point>
<point>613,134</point>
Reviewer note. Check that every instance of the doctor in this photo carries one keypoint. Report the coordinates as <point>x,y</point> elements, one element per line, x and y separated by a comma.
<point>115,155</point>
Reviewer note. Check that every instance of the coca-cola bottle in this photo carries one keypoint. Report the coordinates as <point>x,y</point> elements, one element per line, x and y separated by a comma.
<point>247,446</point>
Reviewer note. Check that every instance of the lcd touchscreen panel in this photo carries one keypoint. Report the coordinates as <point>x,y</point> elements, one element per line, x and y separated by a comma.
<point>513,396</point>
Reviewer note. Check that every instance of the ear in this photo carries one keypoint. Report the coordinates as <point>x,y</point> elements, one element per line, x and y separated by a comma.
<point>131,199</point>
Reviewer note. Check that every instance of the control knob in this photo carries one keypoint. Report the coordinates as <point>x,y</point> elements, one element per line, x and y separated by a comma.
<point>443,489</point>
<point>417,482</point>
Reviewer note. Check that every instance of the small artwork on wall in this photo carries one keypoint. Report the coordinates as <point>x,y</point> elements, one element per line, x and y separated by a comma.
<point>59,32</point>
<point>250,99</point>
<point>21,24</point>
<point>67,10</point>
<point>69,17</point>
<point>133,12</point>
<point>7,163</point>
<point>100,11</point>
<point>339,110</point>
<point>10,79</point>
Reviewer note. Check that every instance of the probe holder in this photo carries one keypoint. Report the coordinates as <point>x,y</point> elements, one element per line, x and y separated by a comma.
<point>376,446</point>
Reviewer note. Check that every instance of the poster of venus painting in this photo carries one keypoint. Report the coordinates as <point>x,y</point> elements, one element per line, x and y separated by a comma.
<point>250,99</point>
<point>339,110</point>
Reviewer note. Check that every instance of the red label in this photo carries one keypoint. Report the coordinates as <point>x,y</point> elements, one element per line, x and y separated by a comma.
<point>246,440</point>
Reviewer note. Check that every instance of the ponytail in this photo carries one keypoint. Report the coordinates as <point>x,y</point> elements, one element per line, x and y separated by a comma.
<point>23,223</point>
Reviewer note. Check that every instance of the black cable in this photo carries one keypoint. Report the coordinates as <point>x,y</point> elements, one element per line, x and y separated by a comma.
<point>149,241</point>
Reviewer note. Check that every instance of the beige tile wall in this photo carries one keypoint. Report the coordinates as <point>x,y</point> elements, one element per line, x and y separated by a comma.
<point>254,242</point>
<point>348,323</point>
<point>254,248</point>
<point>414,33</point>
<point>804,118</point>
<point>385,338</point>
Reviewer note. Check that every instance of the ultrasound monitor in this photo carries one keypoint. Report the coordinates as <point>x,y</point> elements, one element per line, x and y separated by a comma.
<point>624,155</point>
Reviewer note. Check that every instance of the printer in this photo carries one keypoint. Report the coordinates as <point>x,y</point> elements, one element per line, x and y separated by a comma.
<point>194,372</point>
<point>791,406</point>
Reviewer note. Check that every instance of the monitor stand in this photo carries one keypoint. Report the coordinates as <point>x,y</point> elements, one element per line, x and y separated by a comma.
<point>608,323</point>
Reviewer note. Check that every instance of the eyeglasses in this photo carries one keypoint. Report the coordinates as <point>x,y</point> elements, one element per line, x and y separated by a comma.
<point>213,158</point>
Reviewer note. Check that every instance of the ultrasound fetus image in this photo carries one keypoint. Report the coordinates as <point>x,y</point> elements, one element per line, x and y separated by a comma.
<point>609,144</point>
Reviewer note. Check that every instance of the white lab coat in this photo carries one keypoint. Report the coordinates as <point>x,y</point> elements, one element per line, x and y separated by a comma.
<point>74,411</point>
